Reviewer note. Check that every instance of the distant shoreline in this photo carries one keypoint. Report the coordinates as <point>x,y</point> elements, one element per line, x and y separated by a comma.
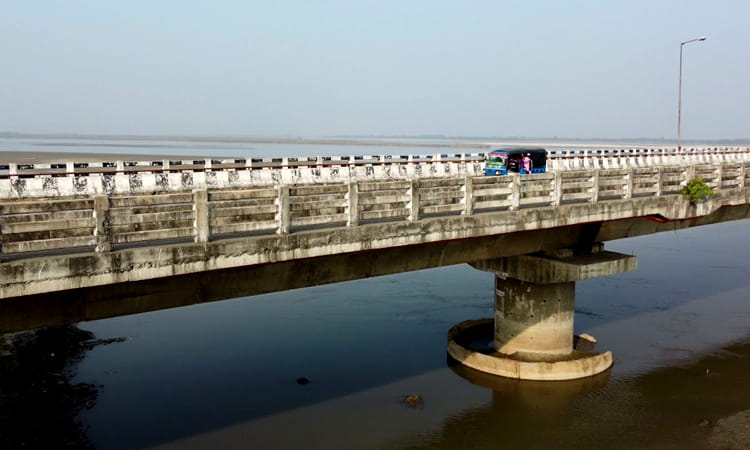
<point>391,141</point>
<point>158,144</point>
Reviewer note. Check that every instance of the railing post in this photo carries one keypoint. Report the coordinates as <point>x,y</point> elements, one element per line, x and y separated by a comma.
<point>413,199</point>
<point>720,176</point>
<point>557,190</point>
<point>119,167</point>
<point>201,230</point>
<point>468,196</point>
<point>658,181</point>
<point>102,227</point>
<point>13,170</point>
<point>689,174</point>
<point>628,184</point>
<point>70,168</point>
<point>595,186</point>
<point>741,183</point>
<point>282,208</point>
<point>353,205</point>
<point>515,190</point>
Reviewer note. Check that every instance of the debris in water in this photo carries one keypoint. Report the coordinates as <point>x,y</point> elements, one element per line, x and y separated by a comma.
<point>413,400</point>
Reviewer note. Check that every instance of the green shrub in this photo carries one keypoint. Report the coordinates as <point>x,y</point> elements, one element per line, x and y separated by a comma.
<point>697,190</point>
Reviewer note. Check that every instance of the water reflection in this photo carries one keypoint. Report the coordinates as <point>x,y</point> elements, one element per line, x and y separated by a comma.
<point>531,395</point>
<point>39,402</point>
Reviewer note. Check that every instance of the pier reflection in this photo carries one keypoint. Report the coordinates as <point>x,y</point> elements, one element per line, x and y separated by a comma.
<point>531,395</point>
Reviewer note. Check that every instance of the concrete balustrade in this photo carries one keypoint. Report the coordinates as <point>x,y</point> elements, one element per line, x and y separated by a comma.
<point>134,177</point>
<point>109,222</point>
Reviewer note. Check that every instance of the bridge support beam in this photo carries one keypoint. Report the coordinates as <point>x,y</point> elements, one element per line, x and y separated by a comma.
<point>532,332</point>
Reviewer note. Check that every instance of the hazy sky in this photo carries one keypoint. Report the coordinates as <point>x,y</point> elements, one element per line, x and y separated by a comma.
<point>314,68</point>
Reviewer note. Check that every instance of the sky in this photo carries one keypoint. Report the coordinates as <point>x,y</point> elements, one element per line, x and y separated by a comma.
<point>583,69</point>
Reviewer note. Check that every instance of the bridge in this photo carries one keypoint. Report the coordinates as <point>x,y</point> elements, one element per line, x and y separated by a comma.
<point>84,240</point>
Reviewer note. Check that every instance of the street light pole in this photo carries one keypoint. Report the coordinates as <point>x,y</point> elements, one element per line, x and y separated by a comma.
<point>679,90</point>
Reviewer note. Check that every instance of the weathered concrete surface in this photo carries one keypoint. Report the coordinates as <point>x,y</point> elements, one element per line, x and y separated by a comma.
<point>559,269</point>
<point>162,180</point>
<point>535,299</point>
<point>534,314</point>
<point>534,320</point>
<point>52,273</point>
<point>578,365</point>
<point>97,302</point>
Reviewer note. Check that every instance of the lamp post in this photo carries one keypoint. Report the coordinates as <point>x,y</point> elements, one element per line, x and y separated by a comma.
<point>679,91</point>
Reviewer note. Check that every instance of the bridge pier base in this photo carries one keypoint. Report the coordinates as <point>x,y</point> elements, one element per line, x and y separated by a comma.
<point>531,336</point>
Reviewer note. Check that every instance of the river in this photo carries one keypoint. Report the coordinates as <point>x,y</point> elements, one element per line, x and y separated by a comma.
<point>229,374</point>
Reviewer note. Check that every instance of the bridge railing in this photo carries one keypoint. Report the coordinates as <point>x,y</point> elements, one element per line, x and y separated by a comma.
<point>559,159</point>
<point>104,223</point>
<point>82,168</point>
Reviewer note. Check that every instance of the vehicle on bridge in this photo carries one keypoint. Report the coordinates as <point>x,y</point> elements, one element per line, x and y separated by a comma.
<point>505,160</point>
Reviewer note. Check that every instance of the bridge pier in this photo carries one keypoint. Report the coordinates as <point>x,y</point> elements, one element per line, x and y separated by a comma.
<point>531,336</point>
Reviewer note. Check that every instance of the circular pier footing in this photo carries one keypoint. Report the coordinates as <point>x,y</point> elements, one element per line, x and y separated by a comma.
<point>470,343</point>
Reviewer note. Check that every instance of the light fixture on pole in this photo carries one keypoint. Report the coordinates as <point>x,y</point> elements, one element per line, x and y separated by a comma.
<point>679,91</point>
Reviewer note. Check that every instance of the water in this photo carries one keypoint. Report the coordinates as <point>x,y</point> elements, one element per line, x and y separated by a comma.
<point>226,372</point>
<point>218,149</point>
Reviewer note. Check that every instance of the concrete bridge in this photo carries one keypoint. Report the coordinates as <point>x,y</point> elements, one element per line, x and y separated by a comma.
<point>84,243</point>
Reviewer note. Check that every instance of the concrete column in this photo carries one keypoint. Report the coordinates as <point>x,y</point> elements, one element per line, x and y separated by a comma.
<point>282,207</point>
<point>658,181</point>
<point>557,192</point>
<point>201,231</point>
<point>515,191</point>
<point>533,320</point>
<point>70,168</point>
<point>689,174</point>
<point>629,184</point>
<point>468,189</point>
<point>165,165</point>
<point>534,310</point>
<point>13,170</point>
<point>595,187</point>
<point>743,171</point>
<point>120,167</point>
<point>102,226</point>
<point>353,205</point>
<point>413,199</point>
<point>719,175</point>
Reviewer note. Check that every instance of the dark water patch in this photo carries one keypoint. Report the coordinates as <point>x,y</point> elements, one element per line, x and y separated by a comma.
<point>39,403</point>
